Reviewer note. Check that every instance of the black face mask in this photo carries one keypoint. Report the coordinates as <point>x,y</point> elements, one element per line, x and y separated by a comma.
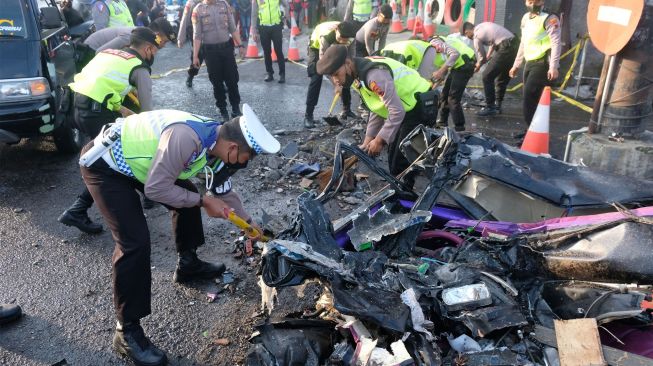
<point>534,8</point>
<point>237,165</point>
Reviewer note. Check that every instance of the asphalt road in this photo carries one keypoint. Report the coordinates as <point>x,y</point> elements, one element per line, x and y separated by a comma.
<point>62,278</point>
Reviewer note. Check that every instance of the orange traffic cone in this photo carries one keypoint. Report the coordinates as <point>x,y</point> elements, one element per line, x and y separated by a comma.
<point>419,23</point>
<point>429,28</point>
<point>536,140</point>
<point>252,48</point>
<point>396,26</point>
<point>293,51</point>
<point>294,29</point>
<point>273,54</point>
<point>410,21</point>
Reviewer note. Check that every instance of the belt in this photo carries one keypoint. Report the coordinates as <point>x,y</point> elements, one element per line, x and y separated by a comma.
<point>506,43</point>
<point>218,46</point>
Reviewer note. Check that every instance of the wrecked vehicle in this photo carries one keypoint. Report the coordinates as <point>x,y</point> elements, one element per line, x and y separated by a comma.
<point>500,260</point>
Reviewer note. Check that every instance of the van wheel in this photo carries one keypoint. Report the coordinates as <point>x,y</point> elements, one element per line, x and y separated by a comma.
<point>68,139</point>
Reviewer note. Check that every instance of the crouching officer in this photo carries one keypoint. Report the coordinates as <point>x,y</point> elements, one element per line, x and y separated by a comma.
<point>156,153</point>
<point>323,36</point>
<point>392,92</point>
<point>454,62</point>
<point>100,91</point>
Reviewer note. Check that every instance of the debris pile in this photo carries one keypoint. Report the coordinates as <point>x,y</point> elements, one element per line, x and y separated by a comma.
<point>505,258</point>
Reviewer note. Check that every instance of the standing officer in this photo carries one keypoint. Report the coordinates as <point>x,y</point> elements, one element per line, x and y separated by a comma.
<point>390,90</point>
<point>100,90</point>
<point>156,153</point>
<point>212,24</point>
<point>540,47</point>
<point>323,36</point>
<point>186,33</point>
<point>373,30</point>
<point>111,13</point>
<point>267,15</point>
<point>502,49</point>
<point>358,11</point>
<point>455,62</point>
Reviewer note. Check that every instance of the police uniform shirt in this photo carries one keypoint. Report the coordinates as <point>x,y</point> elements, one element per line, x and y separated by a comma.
<point>185,22</point>
<point>489,34</point>
<point>180,140</point>
<point>372,31</point>
<point>381,82</point>
<point>443,48</point>
<point>109,38</point>
<point>213,23</point>
<point>100,13</point>
<point>552,27</point>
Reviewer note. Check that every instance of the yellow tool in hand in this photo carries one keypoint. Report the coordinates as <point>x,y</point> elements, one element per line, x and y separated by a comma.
<point>332,120</point>
<point>249,229</point>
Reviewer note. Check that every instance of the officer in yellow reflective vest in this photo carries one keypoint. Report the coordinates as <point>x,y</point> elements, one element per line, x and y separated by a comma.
<point>267,15</point>
<point>540,46</point>
<point>100,89</point>
<point>157,153</point>
<point>111,13</point>
<point>359,11</point>
<point>323,36</point>
<point>390,90</point>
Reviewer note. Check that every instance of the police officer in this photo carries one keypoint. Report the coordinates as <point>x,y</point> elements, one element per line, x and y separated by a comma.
<point>388,88</point>
<point>502,49</point>
<point>375,29</point>
<point>213,21</point>
<point>358,11</point>
<point>156,153</point>
<point>267,15</point>
<point>323,36</point>
<point>100,90</point>
<point>186,33</point>
<point>111,13</point>
<point>540,47</point>
<point>455,63</point>
<point>119,37</point>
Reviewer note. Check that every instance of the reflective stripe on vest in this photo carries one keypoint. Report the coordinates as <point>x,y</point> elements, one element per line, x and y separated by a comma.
<point>409,53</point>
<point>140,137</point>
<point>407,83</point>
<point>107,75</point>
<point>268,12</point>
<point>361,10</point>
<point>461,47</point>
<point>320,31</point>
<point>536,40</point>
<point>119,15</point>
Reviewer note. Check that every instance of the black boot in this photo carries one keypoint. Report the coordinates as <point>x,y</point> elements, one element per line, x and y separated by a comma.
<point>309,122</point>
<point>282,78</point>
<point>9,313</point>
<point>189,267</point>
<point>224,115</point>
<point>77,216</point>
<point>235,113</point>
<point>189,81</point>
<point>130,340</point>
<point>269,77</point>
<point>346,113</point>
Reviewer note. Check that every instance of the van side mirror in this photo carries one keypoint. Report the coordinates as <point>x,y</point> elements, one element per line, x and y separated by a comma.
<point>50,17</point>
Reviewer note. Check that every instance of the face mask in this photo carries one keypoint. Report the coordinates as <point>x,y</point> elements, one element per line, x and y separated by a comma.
<point>534,8</point>
<point>237,165</point>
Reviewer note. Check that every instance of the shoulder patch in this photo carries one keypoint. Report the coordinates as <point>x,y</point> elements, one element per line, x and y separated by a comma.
<point>374,87</point>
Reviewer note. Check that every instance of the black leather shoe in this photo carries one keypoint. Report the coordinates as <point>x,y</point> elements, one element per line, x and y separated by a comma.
<point>488,111</point>
<point>189,81</point>
<point>189,267</point>
<point>130,340</point>
<point>282,78</point>
<point>309,122</point>
<point>346,113</point>
<point>9,313</point>
<point>76,216</point>
<point>268,78</point>
<point>224,115</point>
<point>235,113</point>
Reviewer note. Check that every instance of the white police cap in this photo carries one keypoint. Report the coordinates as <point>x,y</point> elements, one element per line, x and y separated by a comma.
<point>257,136</point>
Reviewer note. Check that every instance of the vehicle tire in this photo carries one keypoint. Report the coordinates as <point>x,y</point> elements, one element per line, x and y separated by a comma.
<point>68,139</point>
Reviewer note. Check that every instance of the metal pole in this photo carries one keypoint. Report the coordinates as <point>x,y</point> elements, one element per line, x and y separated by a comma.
<point>606,88</point>
<point>581,69</point>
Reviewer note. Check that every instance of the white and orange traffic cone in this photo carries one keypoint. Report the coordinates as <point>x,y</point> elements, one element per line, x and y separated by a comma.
<point>419,23</point>
<point>410,21</point>
<point>273,54</point>
<point>397,26</point>
<point>252,47</point>
<point>294,29</point>
<point>536,140</point>
<point>429,28</point>
<point>293,51</point>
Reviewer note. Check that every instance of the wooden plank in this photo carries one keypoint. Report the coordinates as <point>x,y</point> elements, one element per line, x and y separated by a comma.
<point>613,356</point>
<point>578,342</point>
